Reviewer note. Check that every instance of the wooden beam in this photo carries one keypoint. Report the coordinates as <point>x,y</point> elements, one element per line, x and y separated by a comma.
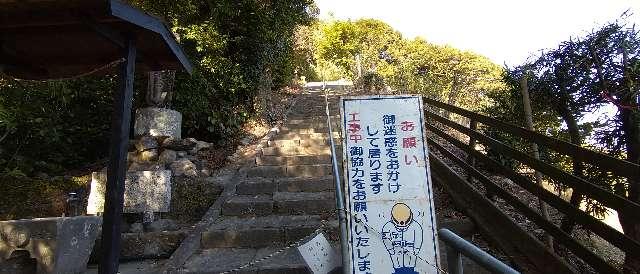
<point>594,191</point>
<point>562,237</point>
<point>617,166</point>
<point>116,172</point>
<point>596,226</point>
<point>526,251</point>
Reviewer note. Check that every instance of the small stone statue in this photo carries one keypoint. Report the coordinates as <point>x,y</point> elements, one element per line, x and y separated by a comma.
<point>160,88</point>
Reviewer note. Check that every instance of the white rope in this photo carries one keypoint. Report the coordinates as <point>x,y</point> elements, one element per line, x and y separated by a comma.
<point>93,71</point>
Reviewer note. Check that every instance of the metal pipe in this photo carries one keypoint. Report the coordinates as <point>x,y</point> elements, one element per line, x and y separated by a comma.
<point>472,252</point>
<point>342,218</point>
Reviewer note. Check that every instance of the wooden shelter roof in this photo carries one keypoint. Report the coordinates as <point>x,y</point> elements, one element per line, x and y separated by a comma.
<point>49,39</point>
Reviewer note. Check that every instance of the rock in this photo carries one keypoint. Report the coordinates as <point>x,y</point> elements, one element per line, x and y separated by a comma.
<point>178,144</point>
<point>136,228</point>
<point>205,172</point>
<point>168,156</point>
<point>144,166</point>
<point>245,141</point>
<point>158,122</point>
<point>184,167</point>
<point>146,143</point>
<point>148,217</point>
<point>191,158</point>
<point>182,154</point>
<point>149,155</point>
<point>132,156</point>
<point>58,245</point>
<point>144,191</point>
<point>163,225</point>
<point>200,145</point>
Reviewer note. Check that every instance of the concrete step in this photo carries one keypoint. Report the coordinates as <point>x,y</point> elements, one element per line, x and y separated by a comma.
<point>305,136</point>
<point>219,260</point>
<point>290,171</point>
<point>335,119</point>
<point>293,203</point>
<point>291,151</point>
<point>264,231</point>
<point>270,186</point>
<point>304,202</point>
<point>299,142</point>
<point>294,160</point>
<point>286,129</point>
<point>309,114</point>
<point>313,124</point>
<point>248,205</point>
<point>317,184</point>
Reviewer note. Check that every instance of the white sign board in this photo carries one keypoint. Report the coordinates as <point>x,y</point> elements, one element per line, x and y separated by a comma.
<point>391,219</point>
<point>319,255</point>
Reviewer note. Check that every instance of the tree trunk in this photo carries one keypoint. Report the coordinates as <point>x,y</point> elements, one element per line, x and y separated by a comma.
<point>568,223</point>
<point>536,154</point>
<point>631,226</point>
<point>263,97</point>
<point>630,117</point>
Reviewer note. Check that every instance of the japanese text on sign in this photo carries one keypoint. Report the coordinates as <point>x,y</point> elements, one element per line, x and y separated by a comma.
<point>387,186</point>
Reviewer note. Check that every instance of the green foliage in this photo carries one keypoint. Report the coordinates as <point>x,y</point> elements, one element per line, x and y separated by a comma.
<point>574,79</point>
<point>371,82</point>
<point>24,197</point>
<point>457,77</point>
<point>51,126</point>
<point>237,47</point>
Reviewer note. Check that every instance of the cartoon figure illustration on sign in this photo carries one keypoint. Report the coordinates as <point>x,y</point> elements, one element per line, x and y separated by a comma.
<point>402,237</point>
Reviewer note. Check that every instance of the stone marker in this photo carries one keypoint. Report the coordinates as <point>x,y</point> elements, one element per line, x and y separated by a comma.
<point>144,191</point>
<point>158,122</point>
<point>59,245</point>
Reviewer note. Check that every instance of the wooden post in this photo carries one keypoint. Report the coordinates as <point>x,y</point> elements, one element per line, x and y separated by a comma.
<point>524,88</point>
<point>116,172</point>
<point>473,125</point>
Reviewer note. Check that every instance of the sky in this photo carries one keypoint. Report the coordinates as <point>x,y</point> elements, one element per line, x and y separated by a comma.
<point>506,31</point>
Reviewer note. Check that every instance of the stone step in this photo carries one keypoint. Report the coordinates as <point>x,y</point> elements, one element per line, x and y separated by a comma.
<point>299,142</point>
<point>335,119</point>
<point>290,171</point>
<point>291,151</point>
<point>271,186</point>
<point>248,205</point>
<point>264,231</point>
<point>304,136</point>
<point>304,202</point>
<point>314,124</point>
<point>219,260</point>
<point>294,203</point>
<point>319,116</point>
<point>306,130</point>
<point>295,160</point>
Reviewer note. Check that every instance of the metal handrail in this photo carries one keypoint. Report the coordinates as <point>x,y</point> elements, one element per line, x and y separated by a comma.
<point>457,246</point>
<point>342,217</point>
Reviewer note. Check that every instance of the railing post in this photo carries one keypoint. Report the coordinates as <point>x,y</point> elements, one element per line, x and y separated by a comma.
<point>454,261</point>
<point>473,125</point>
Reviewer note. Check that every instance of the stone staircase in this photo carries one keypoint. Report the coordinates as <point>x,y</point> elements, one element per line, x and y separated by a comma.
<point>284,197</point>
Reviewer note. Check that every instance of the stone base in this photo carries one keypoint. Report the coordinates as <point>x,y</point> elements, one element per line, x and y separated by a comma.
<point>145,191</point>
<point>158,122</point>
<point>58,245</point>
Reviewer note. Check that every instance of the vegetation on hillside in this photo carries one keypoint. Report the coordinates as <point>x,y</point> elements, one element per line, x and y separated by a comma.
<point>370,52</point>
<point>242,50</point>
